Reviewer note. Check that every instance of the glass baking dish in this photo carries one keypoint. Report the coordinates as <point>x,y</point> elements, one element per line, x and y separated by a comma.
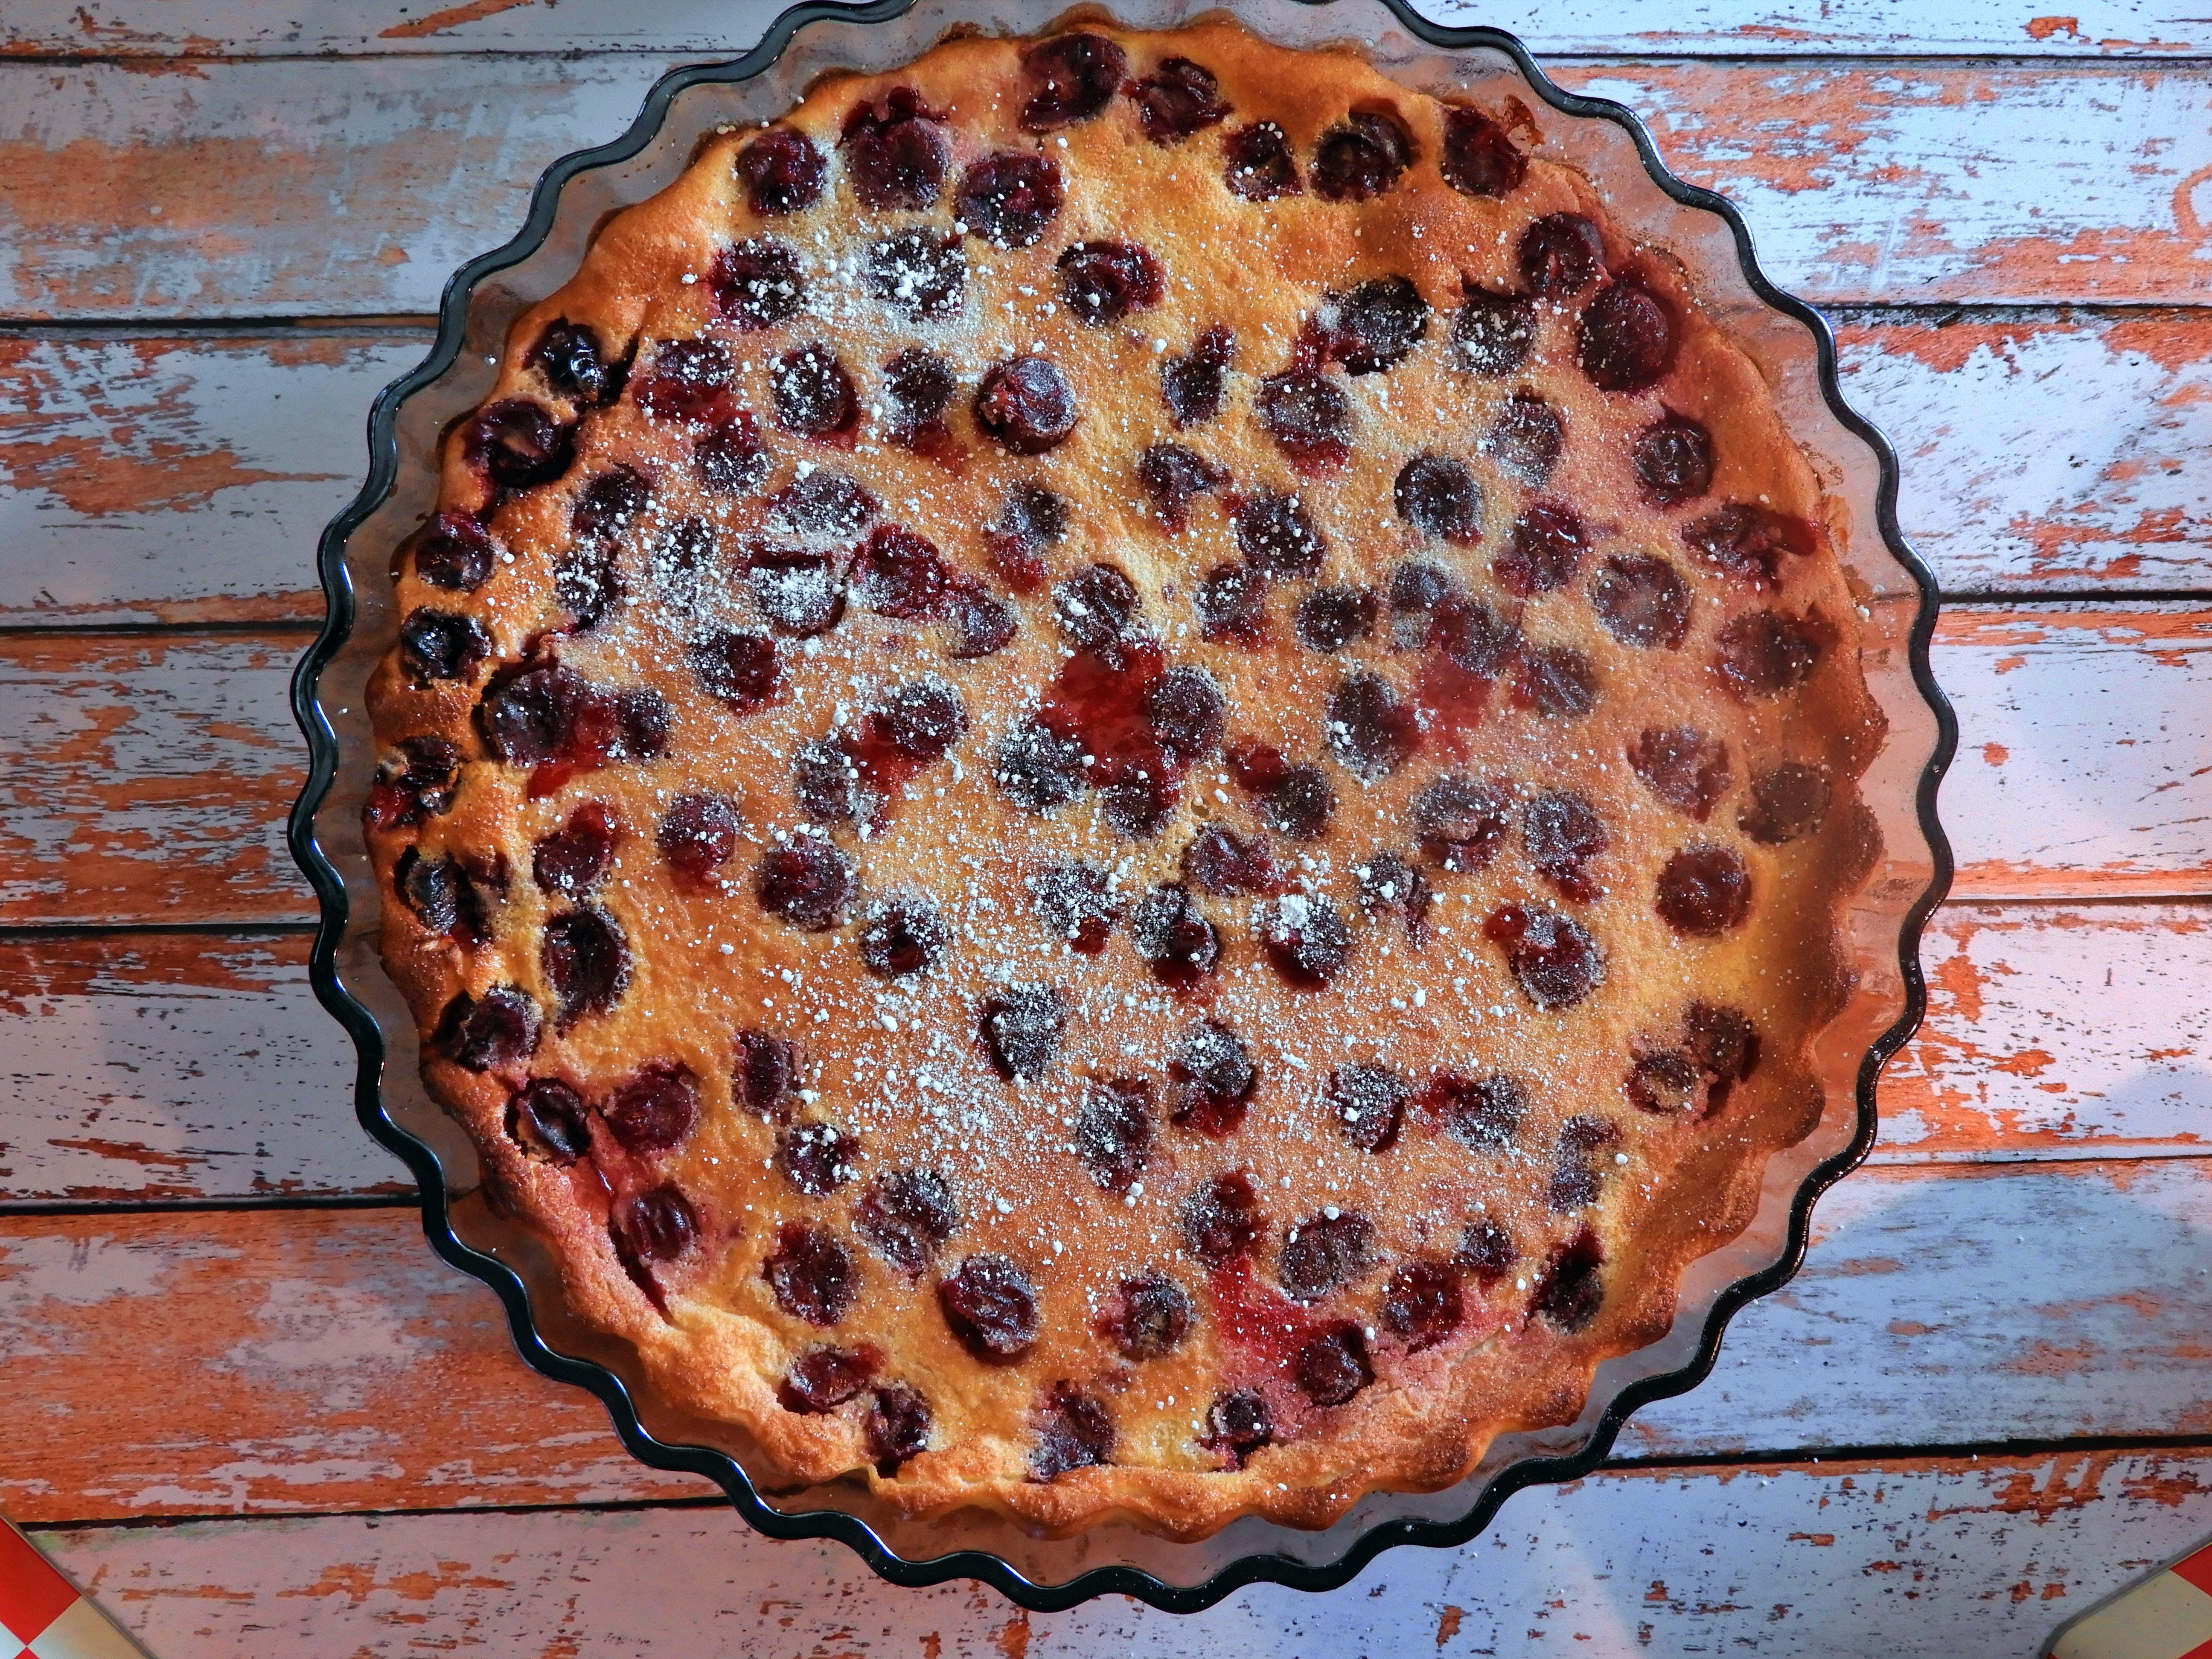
<point>1792,346</point>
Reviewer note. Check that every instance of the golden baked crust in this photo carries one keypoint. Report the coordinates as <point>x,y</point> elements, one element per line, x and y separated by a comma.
<point>653,626</point>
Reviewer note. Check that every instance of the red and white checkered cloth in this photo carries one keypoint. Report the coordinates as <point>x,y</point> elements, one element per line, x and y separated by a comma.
<point>41,1615</point>
<point>2165,1617</point>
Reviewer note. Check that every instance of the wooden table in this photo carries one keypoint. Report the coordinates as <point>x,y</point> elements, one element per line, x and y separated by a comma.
<point>256,1417</point>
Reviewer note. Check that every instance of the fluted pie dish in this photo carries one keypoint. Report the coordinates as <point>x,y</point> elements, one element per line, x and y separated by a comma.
<point>1130,780</point>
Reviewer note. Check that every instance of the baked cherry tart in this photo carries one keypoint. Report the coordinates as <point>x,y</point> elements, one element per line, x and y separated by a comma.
<point>1120,778</point>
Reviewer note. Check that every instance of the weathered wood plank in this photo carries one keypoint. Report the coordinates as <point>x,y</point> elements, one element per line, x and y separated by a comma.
<point>184,479</point>
<point>354,1371</point>
<point>319,188</point>
<point>1952,1560</point>
<point>200,28</point>
<point>180,480</point>
<point>147,778</point>
<point>174,1065</point>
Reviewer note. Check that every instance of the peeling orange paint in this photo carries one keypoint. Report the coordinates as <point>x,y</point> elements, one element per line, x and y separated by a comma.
<point>1448,1623</point>
<point>453,17</point>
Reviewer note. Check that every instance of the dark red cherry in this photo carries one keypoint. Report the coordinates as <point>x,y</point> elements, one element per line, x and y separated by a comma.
<point>585,584</point>
<point>1554,956</point>
<point>1544,551</point>
<point>1191,384</point>
<point>1422,1304</point>
<point>586,961</point>
<point>1186,713</point>
<point>1387,883</point>
<point>1104,281</point>
<point>575,858</point>
<point>800,594</point>
<point>642,716</point>
<point>766,1074</point>
<point>454,553</point>
<point>1309,417</point>
<point>1703,891</point>
<point>991,1306</point>
<point>1260,167</point>
<point>698,834</point>
<point>518,445</point>
<point>823,1379</point>
<point>1577,1178</point>
<point>1787,801</point>
<point>1323,1252</point>
<point>1748,541</point>
<point>1038,769</point>
<point>1368,1104</point>
<point>1642,600</point>
<point>1556,681</point>
<point>920,274</point>
<point>1223,863</point>
<point>1664,1082</point>
<point>1073,1432</point>
<point>441,645</point>
<point>756,284</point>
<point>1626,340</point>
<point>1570,1288</point>
<point>1173,935</point>
<point>1485,1251</point>
<point>1237,1424</point>
<point>806,882</point>
<point>1030,519</point>
<point>1724,1044</point>
<point>1277,536</point>
<point>1173,476</point>
<point>1563,833</point>
<point>742,669</point>
<point>545,711</point>
<point>1073,904</point>
<point>814,395</point>
<point>923,719</point>
<point>782,172</point>
<point>1021,1028</point>
<point>1010,197</point>
<point>1373,327</point>
<point>1462,823</point>
<point>904,1215</point>
<point>1527,438</point>
<point>1306,940</point>
<point>1231,601</point>
<point>1330,618</point>
<point>1479,157</point>
<point>903,937</point>
<point>1221,1220</point>
<point>419,782</point>
<point>900,574</point>
<point>1298,804</point>
<point>1560,253</point>
<point>1439,498</point>
<point>654,1110</point>
<point>1682,766</point>
<point>1484,1112</point>
<point>575,364</point>
<point>492,1033</point>
<point>1027,405</point>
<point>918,388</point>
<point>1762,654</point>
<point>1211,1078</point>
<point>1492,334</point>
<point>545,1116</point>
<point>1361,157</point>
<point>1418,589</point>
<point>690,381</point>
<point>1369,730</point>
<point>657,1226</point>
<point>1070,78</point>
<point>1115,1130</point>
<point>816,1158</point>
<point>1177,100</point>
<point>896,152</point>
<point>1150,1315</point>
<point>1095,606</point>
<point>732,461</point>
<point>810,1273</point>
<point>1673,460</point>
<point>898,1429</point>
<point>1333,1367</point>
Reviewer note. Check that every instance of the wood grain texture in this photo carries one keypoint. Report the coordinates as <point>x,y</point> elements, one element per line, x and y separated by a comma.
<point>337,1365</point>
<point>168,1066</point>
<point>1949,1560</point>
<point>202,29</point>
<point>306,187</point>
<point>184,479</point>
